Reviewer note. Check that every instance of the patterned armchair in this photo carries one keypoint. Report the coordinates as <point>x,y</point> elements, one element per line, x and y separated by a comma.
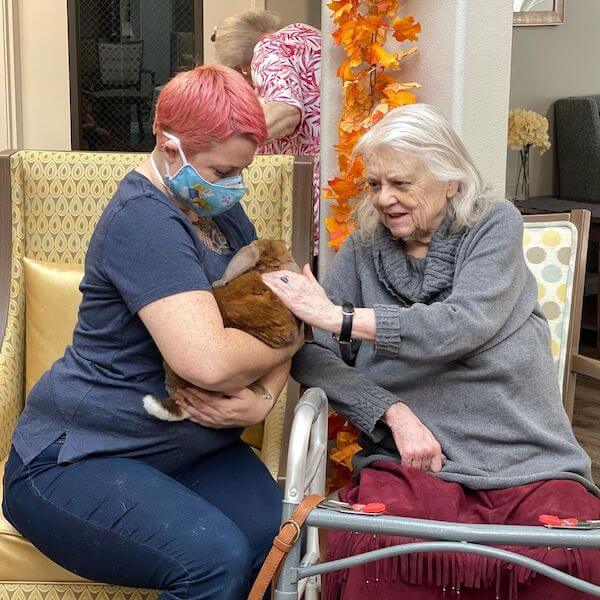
<point>49,205</point>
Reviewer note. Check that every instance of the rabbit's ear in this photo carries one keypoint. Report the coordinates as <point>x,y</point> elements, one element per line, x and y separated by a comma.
<point>243,261</point>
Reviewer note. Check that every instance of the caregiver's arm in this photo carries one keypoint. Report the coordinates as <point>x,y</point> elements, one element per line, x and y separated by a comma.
<point>238,409</point>
<point>189,332</point>
<point>154,266</point>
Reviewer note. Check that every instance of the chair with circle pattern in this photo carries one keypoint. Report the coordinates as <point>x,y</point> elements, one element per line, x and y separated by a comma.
<point>555,248</point>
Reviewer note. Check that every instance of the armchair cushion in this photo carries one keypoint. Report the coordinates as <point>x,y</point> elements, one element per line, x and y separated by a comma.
<point>52,299</point>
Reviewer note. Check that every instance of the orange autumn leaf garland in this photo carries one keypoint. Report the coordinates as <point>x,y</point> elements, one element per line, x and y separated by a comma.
<point>406,29</point>
<point>369,89</point>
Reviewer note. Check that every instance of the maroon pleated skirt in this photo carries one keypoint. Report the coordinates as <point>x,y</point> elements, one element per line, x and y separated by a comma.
<point>412,493</point>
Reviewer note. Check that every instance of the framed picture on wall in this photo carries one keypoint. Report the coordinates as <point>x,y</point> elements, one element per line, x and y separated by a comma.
<point>538,12</point>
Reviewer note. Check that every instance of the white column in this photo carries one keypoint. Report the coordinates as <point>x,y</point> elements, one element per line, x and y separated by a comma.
<point>463,64</point>
<point>331,105</point>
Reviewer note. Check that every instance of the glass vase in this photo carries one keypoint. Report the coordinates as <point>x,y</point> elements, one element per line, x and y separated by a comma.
<point>522,187</point>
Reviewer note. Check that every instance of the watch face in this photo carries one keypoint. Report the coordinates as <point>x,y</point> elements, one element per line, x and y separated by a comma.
<point>347,309</point>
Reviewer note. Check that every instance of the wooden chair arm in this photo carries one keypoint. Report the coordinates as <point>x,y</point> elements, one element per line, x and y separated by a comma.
<point>584,365</point>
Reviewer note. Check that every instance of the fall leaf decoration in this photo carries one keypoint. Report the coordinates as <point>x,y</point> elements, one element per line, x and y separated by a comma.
<point>369,89</point>
<point>406,29</point>
<point>340,456</point>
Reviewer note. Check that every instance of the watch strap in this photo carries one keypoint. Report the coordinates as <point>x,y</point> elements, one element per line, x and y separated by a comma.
<point>344,338</point>
<point>345,335</point>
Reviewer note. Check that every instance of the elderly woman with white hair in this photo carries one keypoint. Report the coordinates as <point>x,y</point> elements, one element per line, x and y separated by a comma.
<point>440,354</point>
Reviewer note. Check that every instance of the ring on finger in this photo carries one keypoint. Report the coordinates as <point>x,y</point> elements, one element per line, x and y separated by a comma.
<point>285,279</point>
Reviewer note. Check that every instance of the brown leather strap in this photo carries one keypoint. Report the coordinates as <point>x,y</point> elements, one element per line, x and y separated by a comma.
<point>288,535</point>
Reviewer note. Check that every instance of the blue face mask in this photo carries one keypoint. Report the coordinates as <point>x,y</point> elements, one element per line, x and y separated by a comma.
<point>190,188</point>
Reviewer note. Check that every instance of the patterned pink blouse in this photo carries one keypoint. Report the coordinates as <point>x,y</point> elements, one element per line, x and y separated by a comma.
<point>286,67</point>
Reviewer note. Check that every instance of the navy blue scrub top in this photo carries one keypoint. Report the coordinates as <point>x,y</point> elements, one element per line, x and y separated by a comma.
<point>143,248</point>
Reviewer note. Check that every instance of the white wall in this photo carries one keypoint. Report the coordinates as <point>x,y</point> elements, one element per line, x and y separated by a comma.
<point>331,102</point>
<point>44,74</point>
<point>463,64</point>
<point>549,63</point>
<point>299,11</point>
<point>214,12</point>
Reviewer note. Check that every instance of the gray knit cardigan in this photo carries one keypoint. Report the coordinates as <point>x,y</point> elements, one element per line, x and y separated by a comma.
<point>463,343</point>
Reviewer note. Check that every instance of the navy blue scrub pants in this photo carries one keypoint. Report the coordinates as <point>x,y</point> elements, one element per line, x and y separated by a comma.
<point>202,532</point>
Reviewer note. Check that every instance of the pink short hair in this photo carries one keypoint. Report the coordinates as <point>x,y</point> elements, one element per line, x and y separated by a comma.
<point>208,104</point>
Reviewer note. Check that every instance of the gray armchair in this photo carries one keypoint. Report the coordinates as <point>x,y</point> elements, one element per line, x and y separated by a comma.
<point>578,148</point>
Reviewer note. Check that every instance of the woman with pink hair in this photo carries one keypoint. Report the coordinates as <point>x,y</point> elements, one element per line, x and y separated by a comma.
<point>184,507</point>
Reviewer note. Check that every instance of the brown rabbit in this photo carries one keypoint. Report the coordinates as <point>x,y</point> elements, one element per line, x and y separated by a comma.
<point>246,303</point>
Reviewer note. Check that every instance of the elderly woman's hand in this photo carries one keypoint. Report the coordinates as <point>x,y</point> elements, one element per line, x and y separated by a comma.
<point>416,445</point>
<point>303,295</point>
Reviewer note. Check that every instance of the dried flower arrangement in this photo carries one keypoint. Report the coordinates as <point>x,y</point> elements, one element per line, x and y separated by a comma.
<point>526,129</point>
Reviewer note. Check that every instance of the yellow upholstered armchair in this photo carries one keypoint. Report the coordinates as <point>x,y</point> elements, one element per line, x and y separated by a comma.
<point>49,205</point>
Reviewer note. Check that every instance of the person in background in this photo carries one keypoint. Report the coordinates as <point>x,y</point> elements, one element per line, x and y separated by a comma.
<point>284,66</point>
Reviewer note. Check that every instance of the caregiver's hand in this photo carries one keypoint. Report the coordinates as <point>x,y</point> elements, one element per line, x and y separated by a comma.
<point>416,444</point>
<point>304,296</point>
<point>220,411</point>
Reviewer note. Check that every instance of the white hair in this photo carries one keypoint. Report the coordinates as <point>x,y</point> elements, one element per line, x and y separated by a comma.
<point>421,130</point>
<point>236,36</point>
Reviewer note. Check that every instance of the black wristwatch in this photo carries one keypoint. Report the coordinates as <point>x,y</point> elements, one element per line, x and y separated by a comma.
<point>344,339</point>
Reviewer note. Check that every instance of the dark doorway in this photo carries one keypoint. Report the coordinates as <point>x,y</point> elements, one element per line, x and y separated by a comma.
<point>121,53</point>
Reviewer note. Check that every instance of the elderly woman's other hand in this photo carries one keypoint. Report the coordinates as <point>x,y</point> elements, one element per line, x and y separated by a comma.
<point>416,445</point>
<point>304,296</point>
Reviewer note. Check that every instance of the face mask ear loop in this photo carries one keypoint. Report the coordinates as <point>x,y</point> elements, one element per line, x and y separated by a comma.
<point>179,149</point>
<point>157,172</point>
